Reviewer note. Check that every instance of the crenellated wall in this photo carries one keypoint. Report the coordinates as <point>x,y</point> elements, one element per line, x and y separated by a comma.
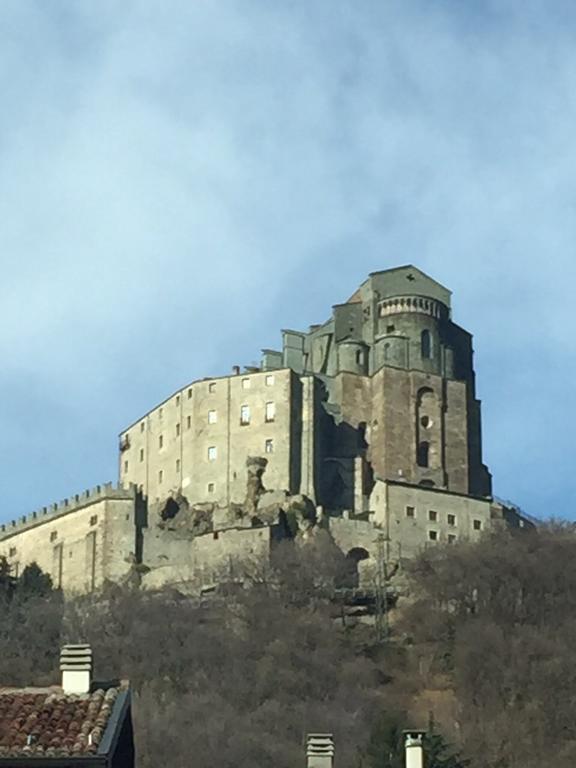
<point>81,542</point>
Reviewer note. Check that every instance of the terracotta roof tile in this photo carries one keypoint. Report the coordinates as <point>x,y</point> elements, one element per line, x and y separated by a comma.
<point>49,723</point>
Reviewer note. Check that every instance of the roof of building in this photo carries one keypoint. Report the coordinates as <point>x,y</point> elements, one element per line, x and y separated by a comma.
<point>47,723</point>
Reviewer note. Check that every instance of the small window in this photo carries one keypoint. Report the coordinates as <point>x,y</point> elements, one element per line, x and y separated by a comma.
<point>390,328</point>
<point>188,422</point>
<point>212,387</point>
<point>11,551</point>
<point>410,512</point>
<point>359,357</point>
<point>426,344</point>
<point>269,446</point>
<point>246,383</point>
<point>451,519</point>
<point>93,519</point>
<point>270,380</point>
<point>141,454</point>
<point>245,414</point>
<point>451,538</point>
<point>160,476</point>
<point>177,466</point>
<point>212,417</point>
<point>190,393</point>
<point>432,515</point>
<point>422,456</point>
<point>433,535</point>
<point>212,453</point>
<point>270,411</point>
<point>161,441</point>
<point>142,426</point>
<point>53,535</point>
<point>426,422</point>
<point>477,525</point>
<point>161,413</point>
<point>210,487</point>
<point>177,430</point>
<point>215,535</point>
<point>125,466</point>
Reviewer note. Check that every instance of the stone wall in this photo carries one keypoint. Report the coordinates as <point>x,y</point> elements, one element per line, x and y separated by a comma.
<point>81,542</point>
<point>198,440</point>
<point>203,561</point>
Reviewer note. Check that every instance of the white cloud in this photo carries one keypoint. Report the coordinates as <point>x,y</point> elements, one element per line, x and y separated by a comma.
<point>179,180</point>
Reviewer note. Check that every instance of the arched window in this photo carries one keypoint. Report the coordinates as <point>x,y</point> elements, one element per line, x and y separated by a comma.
<point>386,351</point>
<point>423,453</point>
<point>426,344</point>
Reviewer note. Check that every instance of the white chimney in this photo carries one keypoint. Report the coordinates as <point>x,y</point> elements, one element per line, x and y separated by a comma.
<point>76,668</point>
<point>414,749</point>
<point>320,750</point>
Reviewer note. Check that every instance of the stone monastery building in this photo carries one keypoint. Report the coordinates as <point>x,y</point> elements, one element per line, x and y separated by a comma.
<point>367,425</point>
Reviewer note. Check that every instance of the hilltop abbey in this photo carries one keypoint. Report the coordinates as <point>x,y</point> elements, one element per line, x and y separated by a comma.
<point>366,426</point>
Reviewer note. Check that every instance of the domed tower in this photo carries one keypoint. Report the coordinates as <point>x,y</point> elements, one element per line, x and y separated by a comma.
<point>425,418</point>
<point>397,370</point>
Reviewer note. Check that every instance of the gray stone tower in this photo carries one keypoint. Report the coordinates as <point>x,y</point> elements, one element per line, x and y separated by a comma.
<point>399,386</point>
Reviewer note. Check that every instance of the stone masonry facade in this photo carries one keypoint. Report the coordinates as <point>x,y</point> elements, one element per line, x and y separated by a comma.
<point>367,425</point>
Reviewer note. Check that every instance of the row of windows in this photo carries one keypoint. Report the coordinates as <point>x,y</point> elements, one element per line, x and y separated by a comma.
<point>212,453</point>
<point>246,384</point>
<point>433,517</point>
<point>434,536</point>
<point>245,418</point>
<point>212,456</point>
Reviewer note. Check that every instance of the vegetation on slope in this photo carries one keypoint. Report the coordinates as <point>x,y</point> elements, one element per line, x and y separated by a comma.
<point>482,649</point>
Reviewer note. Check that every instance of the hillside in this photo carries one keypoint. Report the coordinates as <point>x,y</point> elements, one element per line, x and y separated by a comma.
<point>480,650</point>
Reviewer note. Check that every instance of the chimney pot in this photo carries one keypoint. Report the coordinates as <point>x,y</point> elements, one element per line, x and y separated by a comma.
<point>76,668</point>
<point>320,750</point>
<point>414,749</point>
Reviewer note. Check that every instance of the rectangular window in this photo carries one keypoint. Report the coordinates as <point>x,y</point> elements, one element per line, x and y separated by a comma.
<point>410,512</point>
<point>269,446</point>
<point>212,387</point>
<point>93,519</point>
<point>432,515</point>
<point>160,476</point>
<point>188,422</point>
<point>210,487</point>
<point>212,417</point>
<point>177,466</point>
<point>433,535</point>
<point>451,519</point>
<point>125,466</point>
<point>161,413</point>
<point>177,400</point>
<point>477,525</point>
<point>245,414</point>
<point>161,442</point>
<point>451,538</point>
<point>142,426</point>
<point>141,454</point>
<point>53,535</point>
<point>177,430</point>
<point>270,380</point>
<point>212,453</point>
<point>190,393</point>
<point>270,411</point>
<point>246,383</point>
<point>12,552</point>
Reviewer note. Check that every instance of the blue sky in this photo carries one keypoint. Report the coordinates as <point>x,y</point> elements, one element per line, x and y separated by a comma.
<point>179,180</point>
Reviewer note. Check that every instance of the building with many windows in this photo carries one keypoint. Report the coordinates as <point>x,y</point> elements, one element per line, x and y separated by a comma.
<point>370,418</point>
